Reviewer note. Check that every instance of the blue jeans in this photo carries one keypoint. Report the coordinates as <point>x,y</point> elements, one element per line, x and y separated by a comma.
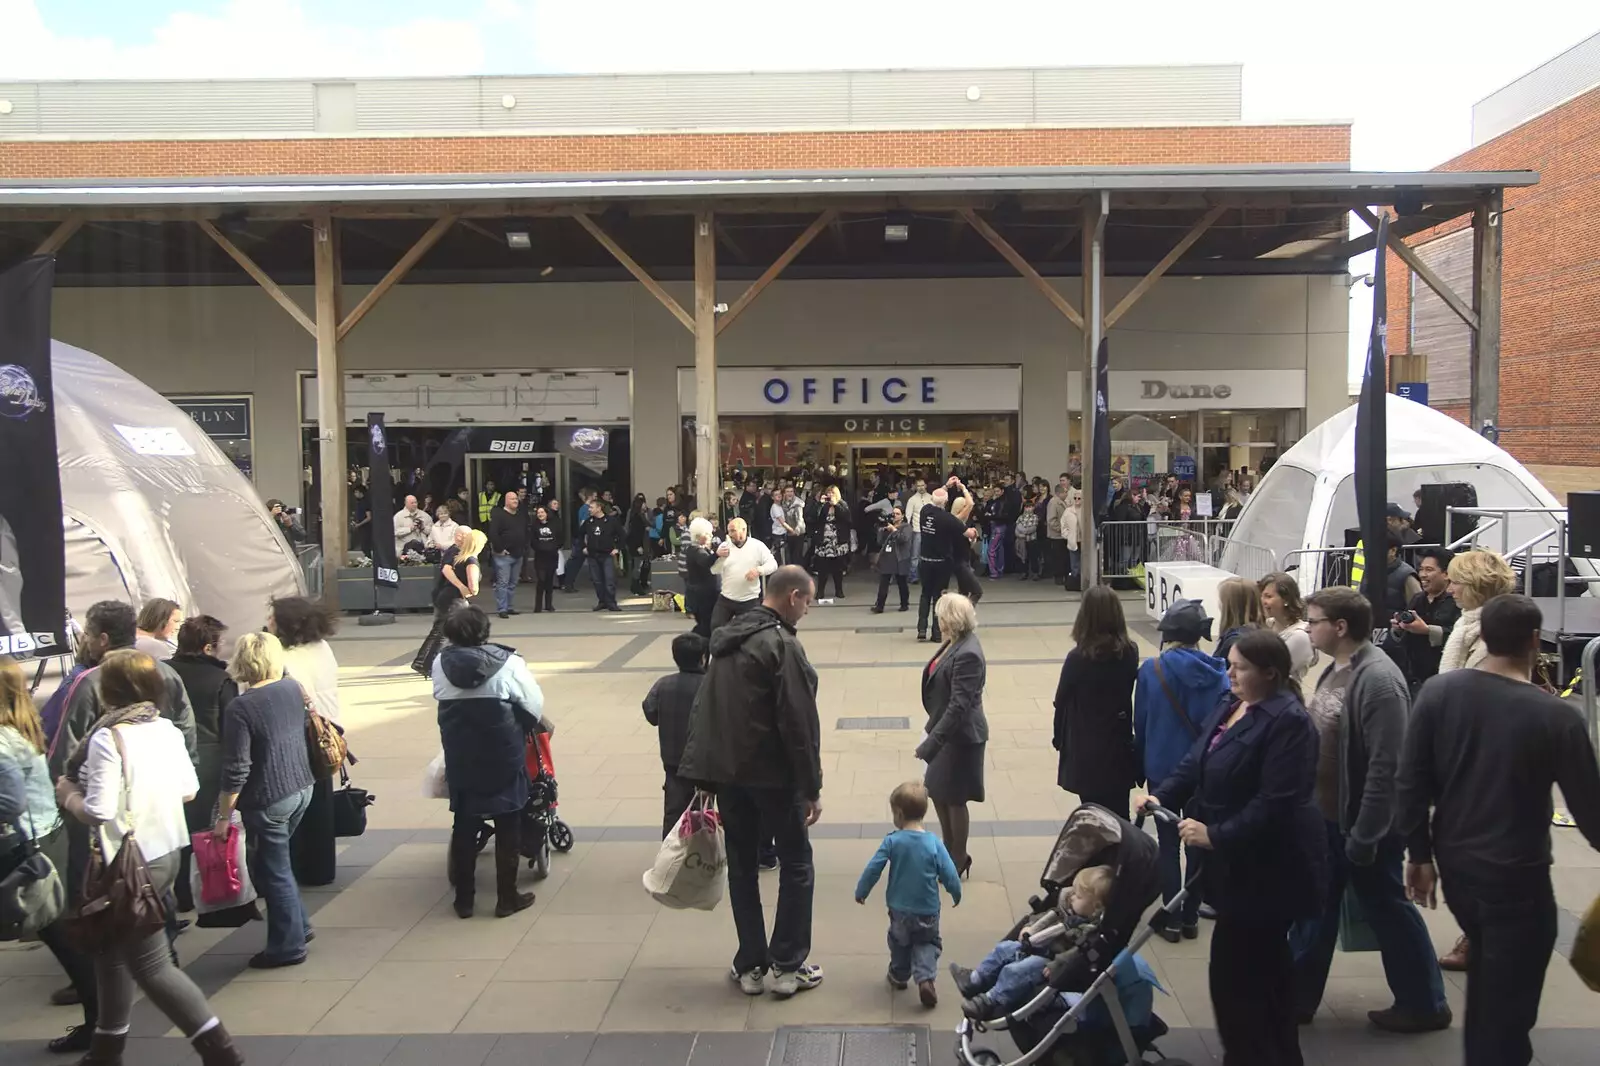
<point>914,945</point>
<point>267,855</point>
<point>1010,975</point>
<point>506,569</point>
<point>1409,961</point>
<point>603,574</point>
<point>998,538</point>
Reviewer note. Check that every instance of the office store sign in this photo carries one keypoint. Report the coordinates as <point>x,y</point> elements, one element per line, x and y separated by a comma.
<point>905,391</point>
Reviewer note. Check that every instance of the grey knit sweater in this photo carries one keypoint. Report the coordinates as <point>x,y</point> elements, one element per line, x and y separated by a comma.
<point>264,745</point>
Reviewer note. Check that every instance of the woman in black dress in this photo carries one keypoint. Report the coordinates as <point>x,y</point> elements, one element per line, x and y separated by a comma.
<point>459,574</point>
<point>957,731</point>
<point>545,538</point>
<point>699,583</point>
<point>1094,705</point>
<point>832,543</point>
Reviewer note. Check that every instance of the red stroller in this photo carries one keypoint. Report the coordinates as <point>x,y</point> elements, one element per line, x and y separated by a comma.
<point>542,830</point>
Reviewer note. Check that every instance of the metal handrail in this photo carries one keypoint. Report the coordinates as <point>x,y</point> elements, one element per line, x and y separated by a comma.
<point>1591,692</point>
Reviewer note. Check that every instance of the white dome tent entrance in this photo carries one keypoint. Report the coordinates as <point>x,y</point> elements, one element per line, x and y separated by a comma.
<point>153,508</point>
<point>1307,500</point>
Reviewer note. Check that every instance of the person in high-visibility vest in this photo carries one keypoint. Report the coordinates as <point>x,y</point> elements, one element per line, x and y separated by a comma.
<point>488,500</point>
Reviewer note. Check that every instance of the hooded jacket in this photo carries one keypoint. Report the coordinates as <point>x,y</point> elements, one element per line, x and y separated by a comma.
<point>1071,515</point>
<point>755,720</point>
<point>1161,737</point>
<point>488,703</point>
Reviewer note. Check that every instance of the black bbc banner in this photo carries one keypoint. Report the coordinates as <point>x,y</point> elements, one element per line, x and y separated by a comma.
<point>33,569</point>
<point>380,496</point>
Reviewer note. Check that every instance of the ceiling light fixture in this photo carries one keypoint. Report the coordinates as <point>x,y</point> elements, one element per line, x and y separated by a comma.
<point>518,239</point>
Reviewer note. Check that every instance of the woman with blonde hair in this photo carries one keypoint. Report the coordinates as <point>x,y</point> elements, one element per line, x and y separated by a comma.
<point>1238,610</point>
<point>699,582</point>
<point>957,731</point>
<point>35,823</point>
<point>458,581</point>
<point>133,769</point>
<point>832,542</point>
<point>266,774</point>
<point>1476,577</point>
<point>1285,614</point>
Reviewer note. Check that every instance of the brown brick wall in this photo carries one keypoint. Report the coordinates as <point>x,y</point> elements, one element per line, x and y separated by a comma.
<point>1550,286</point>
<point>624,153</point>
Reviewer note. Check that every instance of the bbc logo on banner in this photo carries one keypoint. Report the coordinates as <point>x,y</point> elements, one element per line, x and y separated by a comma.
<point>513,446</point>
<point>388,575</point>
<point>22,645</point>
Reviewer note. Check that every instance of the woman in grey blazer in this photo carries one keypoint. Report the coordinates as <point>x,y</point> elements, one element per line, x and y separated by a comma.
<point>957,731</point>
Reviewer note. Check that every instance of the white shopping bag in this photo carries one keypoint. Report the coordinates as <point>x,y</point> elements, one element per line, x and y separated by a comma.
<point>434,785</point>
<point>692,864</point>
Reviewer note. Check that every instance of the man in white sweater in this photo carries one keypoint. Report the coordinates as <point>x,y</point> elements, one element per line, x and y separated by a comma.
<point>742,561</point>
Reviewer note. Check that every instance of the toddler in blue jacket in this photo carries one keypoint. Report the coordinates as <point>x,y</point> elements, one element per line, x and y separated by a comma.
<point>918,864</point>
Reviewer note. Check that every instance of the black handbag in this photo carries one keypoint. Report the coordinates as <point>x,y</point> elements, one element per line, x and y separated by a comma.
<point>350,807</point>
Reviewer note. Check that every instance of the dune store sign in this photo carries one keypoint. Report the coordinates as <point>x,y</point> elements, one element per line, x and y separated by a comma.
<point>902,392</point>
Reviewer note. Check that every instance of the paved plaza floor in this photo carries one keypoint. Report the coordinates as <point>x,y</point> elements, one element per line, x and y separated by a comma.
<point>597,973</point>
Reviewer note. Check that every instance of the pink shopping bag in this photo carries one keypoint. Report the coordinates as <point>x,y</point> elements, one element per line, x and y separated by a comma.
<point>217,862</point>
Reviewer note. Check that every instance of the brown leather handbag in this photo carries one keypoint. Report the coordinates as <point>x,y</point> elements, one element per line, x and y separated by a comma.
<point>118,904</point>
<point>325,746</point>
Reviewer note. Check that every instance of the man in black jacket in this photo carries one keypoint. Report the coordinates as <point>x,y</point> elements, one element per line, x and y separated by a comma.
<point>601,534</point>
<point>755,738</point>
<point>668,706</point>
<point>1484,749</point>
<point>942,537</point>
<point>508,539</point>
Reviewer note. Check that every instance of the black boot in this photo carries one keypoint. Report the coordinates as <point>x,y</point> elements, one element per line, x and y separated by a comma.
<point>463,870</point>
<point>104,1050</point>
<point>507,859</point>
<point>215,1048</point>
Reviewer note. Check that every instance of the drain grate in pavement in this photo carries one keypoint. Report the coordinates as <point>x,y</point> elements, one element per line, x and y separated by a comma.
<point>873,723</point>
<point>845,1047</point>
<point>880,629</point>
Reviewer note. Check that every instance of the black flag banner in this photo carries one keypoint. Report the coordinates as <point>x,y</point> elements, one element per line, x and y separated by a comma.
<point>33,568</point>
<point>1372,439</point>
<point>385,564</point>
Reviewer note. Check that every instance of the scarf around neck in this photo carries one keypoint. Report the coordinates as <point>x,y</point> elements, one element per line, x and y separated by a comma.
<point>134,714</point>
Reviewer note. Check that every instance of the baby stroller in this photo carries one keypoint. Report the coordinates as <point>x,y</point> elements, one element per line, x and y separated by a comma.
<point>1043,1028</point>
<point>542,830</point>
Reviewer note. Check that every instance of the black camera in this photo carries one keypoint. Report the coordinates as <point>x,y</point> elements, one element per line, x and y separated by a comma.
<point>1405,618</point>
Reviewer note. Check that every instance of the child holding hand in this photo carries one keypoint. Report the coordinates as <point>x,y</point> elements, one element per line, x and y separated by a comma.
<point>918,864</point>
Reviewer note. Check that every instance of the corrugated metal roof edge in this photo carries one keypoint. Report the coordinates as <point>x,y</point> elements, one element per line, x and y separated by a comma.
<point>316,189</point>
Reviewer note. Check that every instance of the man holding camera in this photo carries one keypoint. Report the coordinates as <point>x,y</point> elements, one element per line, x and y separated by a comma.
<point>411,526</point>
<point>287,523</point>
<point>1428,619</point>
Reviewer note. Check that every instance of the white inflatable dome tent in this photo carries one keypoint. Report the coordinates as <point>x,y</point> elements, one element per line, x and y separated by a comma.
<point>152,507</point>
<point>1308,500</point>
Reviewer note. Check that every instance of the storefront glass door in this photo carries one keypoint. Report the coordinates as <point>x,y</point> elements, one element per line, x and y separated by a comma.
<point>543,473</point>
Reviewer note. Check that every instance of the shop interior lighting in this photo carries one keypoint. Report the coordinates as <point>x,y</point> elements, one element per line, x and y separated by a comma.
<point>897,227</point>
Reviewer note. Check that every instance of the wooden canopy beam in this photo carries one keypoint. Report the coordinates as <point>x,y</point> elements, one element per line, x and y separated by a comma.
<point>1195,233</point>
<point>1010,255</point>
<point>778,265</point>
<point>628,263</point>
<point>1399,228</point>
<point>396,273</point>
<point>60,235</point>
<point>1410,258</point>
<point>260,277</point>
<point>729,243</point>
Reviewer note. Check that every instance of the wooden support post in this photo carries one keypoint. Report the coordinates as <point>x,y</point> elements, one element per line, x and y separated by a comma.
<point>1094,264</point>
<point>707,449</point>
<point>1486,249</point>
<point>1411,259</point>
<point>1156,272</point>
<point>260,277</point>
<point>396,273</point>
<point>638,271</point>
<point>1021,265</point>
<point>331,456</point>
<point>60,235</point>
<point>774,270</point>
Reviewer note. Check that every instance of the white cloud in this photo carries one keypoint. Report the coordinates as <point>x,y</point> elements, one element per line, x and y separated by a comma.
<point>245,39</point>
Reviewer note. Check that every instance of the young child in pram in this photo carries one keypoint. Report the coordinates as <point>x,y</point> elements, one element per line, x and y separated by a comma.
<point>1014,971</point>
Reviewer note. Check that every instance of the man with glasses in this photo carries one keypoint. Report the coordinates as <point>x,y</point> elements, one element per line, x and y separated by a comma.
<point>1361,742</point>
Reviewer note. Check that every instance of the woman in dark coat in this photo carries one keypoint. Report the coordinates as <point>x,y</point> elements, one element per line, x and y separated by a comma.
<point>488,704</point>
<point>1094,705</point>
<point>894,560</point>
<point>1246,789</point>
<point>830,539</point>
<point>700,586</point>
<point>957,731</point>
<point>459,575</point>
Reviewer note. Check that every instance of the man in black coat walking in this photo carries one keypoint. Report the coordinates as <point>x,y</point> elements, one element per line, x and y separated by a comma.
<point>668,706</point>
<point>755,739</point>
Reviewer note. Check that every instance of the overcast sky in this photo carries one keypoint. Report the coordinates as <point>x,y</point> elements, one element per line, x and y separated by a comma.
<point>1407,82</point>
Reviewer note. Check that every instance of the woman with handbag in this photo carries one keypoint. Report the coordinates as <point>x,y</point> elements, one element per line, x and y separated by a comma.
<point>1094,705</point>
<point>303,626</point>
<point>128,780</point>
<point>266,774</point>
<point>36,829</point>
<point>1176,691</point>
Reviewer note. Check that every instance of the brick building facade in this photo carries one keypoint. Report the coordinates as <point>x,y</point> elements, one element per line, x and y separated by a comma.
<point>1550,319</point>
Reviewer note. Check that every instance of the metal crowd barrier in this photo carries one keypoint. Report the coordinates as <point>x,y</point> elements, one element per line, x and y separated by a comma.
<point>310,558</point>
<point>1125,545</point>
